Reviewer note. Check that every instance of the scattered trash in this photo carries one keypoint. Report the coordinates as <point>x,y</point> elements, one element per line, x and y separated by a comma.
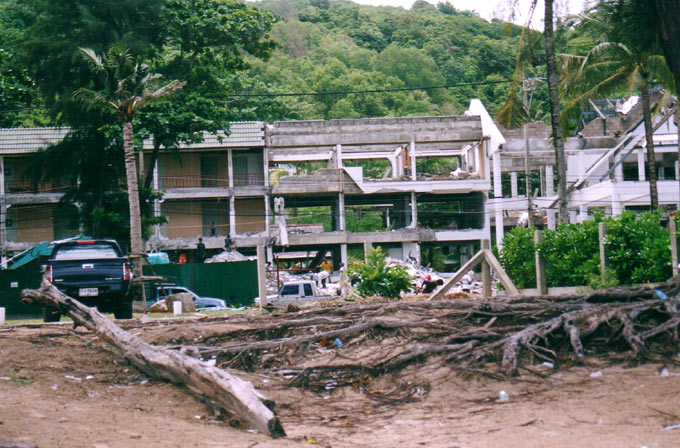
<point>665,372</point>
<point>503,396</point>
<point>331,385</point>
<point>671,427</point>
<point>660,294</point>
<point>55,387</point>
<point>74,378</point>
<point>89,377</point>
<point>92,394</point>
<point>596,374</point>
<point>548,364</point>
<point>338,343</point>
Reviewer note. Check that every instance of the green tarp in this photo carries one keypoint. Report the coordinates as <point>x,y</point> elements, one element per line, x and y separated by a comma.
<point>234,281</point>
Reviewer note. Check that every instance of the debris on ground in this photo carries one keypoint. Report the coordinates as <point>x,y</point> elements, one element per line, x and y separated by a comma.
<point>228,255</point>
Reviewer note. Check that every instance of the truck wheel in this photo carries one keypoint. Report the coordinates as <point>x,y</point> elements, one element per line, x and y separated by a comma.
<point>124,310</point>
<point>50,315</point>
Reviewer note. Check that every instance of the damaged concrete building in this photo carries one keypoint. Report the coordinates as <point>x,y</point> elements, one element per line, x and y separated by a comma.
<point>338,187</point>
<point>249,185</point>
<point>607,169</point>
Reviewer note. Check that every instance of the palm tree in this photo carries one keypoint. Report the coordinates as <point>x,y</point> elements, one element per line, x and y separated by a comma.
<point>556,121</point>
<point>126,87</point>
<point>513,113</point>
<point>619,61</point>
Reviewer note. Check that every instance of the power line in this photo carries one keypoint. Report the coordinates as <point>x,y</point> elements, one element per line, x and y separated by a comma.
<point>351,92</point>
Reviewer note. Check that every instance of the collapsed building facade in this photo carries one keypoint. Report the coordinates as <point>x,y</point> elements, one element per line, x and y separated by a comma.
<point>305,187</point>
<point>607,170</point>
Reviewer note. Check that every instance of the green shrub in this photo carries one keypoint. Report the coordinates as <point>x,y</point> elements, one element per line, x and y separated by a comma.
<point>637,249</point>
<point>517,257</point>
<point>375,278</point>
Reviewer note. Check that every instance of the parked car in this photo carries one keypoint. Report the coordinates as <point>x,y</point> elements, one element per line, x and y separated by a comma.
<point>201,303</point>
<point>294,292</point>
<point>94,272</point>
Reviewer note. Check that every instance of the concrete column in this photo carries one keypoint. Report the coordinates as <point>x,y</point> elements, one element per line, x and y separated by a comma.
<point>497,176</point>
<point>411,249</point>
<point>341,212</point>
<point>343,254</point>
<point>267,215</point>
<point>552,218</point>
<point>394,166</point>
<point>514,192</point>
<point>156,202</point>
<point>367,249</point>
<point>270,254</point>
<point>414,175</point>
<point>641,164</point>
<point>541,176</point>
<point>230,167</point>
<point>573,216</point>
<point>672,229</point>
<point>500,231</point>
<point>338,154</point>
<point>617,206</point>
<point>618,171</point>
<point>265,167</point>
<point>414,210</point>
<point>232,215</point>
<point>549,180</point>
<point>407,215</point>
<point>582,213</point>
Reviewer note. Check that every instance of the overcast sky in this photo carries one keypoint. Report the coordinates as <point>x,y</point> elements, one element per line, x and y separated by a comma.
<point>500,9</point>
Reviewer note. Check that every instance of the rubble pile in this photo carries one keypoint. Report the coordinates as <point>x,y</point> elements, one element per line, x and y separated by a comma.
<point>470,283</point>
<point>228,255</point>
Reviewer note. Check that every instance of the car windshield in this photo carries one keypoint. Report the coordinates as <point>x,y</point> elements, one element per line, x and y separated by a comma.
<point>86,252</point>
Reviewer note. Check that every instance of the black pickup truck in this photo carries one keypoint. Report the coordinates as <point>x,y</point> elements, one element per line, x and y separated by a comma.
<point>93,272</point>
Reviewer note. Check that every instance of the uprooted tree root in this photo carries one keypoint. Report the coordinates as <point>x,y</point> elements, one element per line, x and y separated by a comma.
<point>325,348</point>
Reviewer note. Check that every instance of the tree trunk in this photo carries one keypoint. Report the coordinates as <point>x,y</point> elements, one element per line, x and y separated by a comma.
<point>651,158</point>
<point>136,243</point>
<point>206,381</point>
<point>553,84</point>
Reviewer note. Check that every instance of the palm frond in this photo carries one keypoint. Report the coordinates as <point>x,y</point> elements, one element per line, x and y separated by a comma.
<point>513,114</point>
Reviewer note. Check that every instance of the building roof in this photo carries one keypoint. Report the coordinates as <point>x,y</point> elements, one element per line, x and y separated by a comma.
<point>243,134</point>
<point>29,140</point>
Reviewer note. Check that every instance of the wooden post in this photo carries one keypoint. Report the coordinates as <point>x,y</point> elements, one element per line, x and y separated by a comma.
<point>602,231</point>
<point>367,250</point>
<point>261,275</point>
<point>672,228</point>
<point>541,280</point>
<point>486,272</point>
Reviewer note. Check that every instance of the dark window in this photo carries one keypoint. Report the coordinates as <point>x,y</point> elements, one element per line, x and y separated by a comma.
<point>308,289</point>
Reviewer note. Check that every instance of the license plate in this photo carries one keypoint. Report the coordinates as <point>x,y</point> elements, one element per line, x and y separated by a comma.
<point>88,292</point>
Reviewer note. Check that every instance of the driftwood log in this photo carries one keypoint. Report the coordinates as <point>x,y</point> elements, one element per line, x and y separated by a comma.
<point>208,382</point>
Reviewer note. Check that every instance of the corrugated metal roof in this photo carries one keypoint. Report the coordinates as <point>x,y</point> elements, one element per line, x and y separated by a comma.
<point>29,140</point>
<point>244,134</point>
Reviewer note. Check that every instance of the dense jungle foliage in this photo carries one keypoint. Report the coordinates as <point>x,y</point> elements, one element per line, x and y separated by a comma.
<point>322,46</point>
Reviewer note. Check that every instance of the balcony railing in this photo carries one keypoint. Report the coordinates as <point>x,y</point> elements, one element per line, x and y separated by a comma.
<point>28,187</point>
<point>168,182</point>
